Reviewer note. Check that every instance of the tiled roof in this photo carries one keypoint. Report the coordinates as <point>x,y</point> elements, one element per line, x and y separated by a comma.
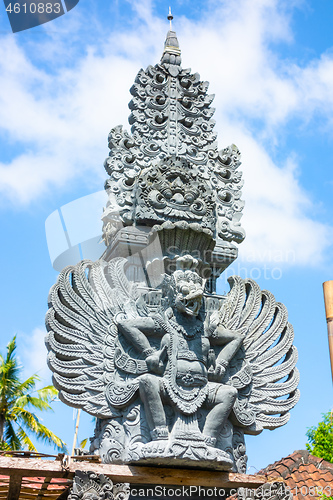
<point>306,476</point>
<point>36,487</point>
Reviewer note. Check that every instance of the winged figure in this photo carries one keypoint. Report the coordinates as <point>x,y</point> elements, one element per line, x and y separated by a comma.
<point>197,376</point>
<point>175,373</point>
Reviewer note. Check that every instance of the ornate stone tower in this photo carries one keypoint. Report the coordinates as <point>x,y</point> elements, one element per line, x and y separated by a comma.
<point>174,373</point>
<point>168,178</point>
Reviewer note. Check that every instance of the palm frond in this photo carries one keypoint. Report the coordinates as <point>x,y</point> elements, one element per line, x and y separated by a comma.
<point>83,443</point>
<point>11,346</point>
<point>11,437</point>
<point>48,393</point>
<point>29,384</point>
<point>17,399</point>
<point>26,418</point>
<point>4,446</point>
<point>35,402</point>
<point>24,438</point>
<point>9,373</point>
<point>44,434</point>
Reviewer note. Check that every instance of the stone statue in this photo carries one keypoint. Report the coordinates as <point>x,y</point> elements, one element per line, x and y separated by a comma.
<point>179,372</point>
<point>175,373</point>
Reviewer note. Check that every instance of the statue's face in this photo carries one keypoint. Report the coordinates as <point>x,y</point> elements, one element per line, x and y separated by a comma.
<point>189,294</point>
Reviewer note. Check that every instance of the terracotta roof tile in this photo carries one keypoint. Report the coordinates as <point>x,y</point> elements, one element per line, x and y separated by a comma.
<point>297,477</point>
<point>289,462</point>
<point>308,467</point>
<point>304,474</point>
<point>291,483</point>
<point>282,469</point>
<point>275,473</point>
<point>326,473</point>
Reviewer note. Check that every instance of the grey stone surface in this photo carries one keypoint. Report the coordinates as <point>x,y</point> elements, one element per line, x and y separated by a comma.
<point>174,373</point>
<point>91,486</point>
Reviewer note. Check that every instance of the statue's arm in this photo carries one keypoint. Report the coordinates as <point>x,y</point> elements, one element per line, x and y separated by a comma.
<point>222,336</point>
<point>136,332</point>
<point>230,341</point>
<point>156,361</point>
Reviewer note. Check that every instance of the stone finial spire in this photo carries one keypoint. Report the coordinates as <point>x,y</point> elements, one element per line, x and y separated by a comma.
<point>170,18</point>
<point>171,53</point>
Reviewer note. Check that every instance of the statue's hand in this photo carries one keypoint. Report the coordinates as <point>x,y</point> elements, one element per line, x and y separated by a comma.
<point>216,374</point>
<point>219,372</point>
<point>242,331</point>
<point>155,362</point>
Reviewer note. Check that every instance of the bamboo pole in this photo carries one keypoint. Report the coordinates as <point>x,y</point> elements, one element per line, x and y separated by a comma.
<point>328,298</point>
<point>76,431</point>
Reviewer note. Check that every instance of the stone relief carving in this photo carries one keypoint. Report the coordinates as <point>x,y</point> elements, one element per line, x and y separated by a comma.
<point>174,373</point>
<point>173,191</point>
<point>91,486</point>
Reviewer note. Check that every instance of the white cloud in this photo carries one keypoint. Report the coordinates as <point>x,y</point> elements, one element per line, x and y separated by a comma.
<point>33,353</point>
<point>59,120</point>
<point>278,227</point>
<point>315,86</point>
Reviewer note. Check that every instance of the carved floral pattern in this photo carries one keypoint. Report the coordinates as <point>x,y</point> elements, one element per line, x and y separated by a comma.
<point>92,486</point>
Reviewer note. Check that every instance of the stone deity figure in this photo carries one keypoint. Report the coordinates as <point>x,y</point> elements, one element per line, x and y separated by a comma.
<point>185,363</point>
<point>174,373</point>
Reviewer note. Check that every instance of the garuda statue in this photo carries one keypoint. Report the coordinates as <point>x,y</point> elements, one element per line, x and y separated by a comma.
<point>175,373</point>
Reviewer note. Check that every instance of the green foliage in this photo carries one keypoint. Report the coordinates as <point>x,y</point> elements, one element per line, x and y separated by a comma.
<point>83,443</point>
<point>17,399</point>
<point>321,438</point>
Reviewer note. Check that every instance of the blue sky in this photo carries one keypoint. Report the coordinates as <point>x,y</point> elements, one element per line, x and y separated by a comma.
<point>270,64</point>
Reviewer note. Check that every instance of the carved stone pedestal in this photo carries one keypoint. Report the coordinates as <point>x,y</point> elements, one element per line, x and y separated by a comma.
<point>92,486</point>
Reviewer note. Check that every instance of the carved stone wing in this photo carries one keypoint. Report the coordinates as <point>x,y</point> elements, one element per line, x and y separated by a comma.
<point>82,332</point>
<point>263,370</point>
